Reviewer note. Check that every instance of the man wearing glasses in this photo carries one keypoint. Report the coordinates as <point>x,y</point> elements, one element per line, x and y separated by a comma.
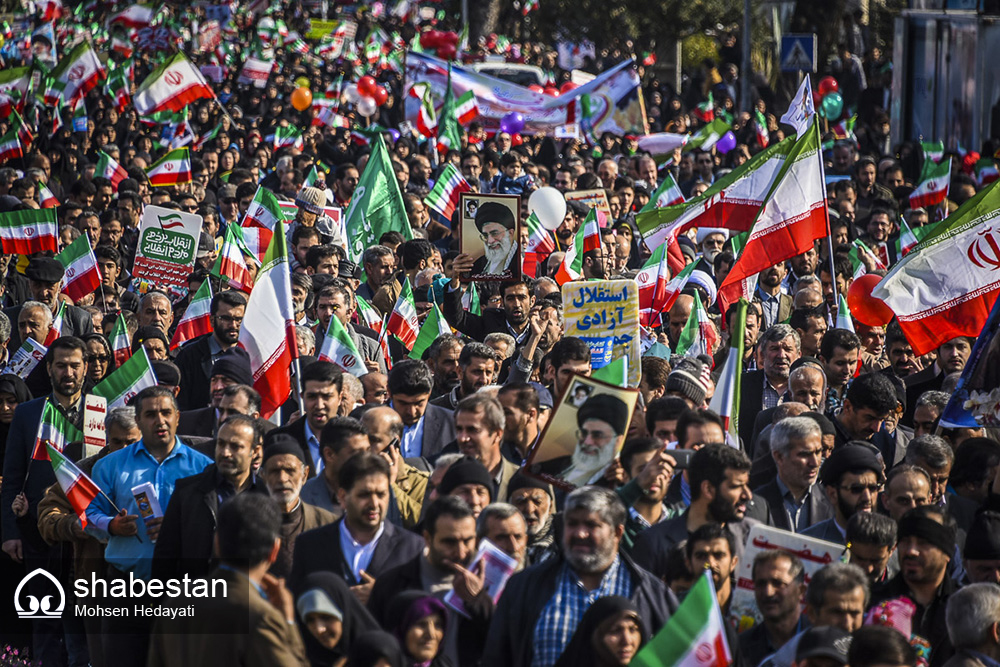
<point>496,226</point>
<point>851,477</point>
<point>602,422</point>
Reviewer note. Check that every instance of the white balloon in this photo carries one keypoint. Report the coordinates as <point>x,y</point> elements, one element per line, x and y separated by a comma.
<point>367,107</point>
<point>549,206</point>
<point>351,95</point>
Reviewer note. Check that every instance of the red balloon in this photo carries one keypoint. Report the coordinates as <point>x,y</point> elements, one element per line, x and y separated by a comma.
<point>516,140</point>
<point>380,96</point>
<point>430,39</point>
<point>535,87</point>
<point>551,91</point>
<point>450,37</point>
<point>447,52</point>
<point>866,308</point>
<point>817,99</point>
<point>827,85</point>
<point>568,86</point>
<point>367,86</point>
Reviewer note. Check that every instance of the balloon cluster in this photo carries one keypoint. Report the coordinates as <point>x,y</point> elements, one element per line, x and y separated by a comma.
<point>445,43</point>
<point>367,96</point>
<point>551,90</point>
<point>827,99</point>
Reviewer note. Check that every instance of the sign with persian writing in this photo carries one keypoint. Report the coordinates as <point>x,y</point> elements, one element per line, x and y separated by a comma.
<point>605,314</point>
<point>168,246</point>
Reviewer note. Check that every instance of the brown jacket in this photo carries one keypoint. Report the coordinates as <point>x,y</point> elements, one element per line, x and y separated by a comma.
<point>215,636</point>
<point>385,297</point>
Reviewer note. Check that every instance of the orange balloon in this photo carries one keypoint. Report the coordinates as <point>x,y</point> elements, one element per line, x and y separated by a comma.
<point>302,99</point>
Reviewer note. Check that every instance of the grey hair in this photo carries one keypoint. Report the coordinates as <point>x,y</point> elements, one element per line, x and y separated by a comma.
<point>445,460</point>
<point>73,232</point>
<point>493,417</point>
<point>838,577</point>
<point>971,612</point>
<point>353,387</point>
<point>936,399</point>
<point>506,338</point>
<point>375,252</point>
<point>933,449</point>
<point>544,280</point>
<point>498,511</point>
<point>807,281</point>
<point>769,556</point>
<point>600,501</point>
<point>792,429</point>
<point>149,296</point>
<point>778,333</point>
<point>28,305</point>
<point>123,417</point>
<point>305,334</point>
<point>4,328</point>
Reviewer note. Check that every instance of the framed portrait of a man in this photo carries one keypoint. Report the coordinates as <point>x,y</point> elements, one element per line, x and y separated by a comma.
<point>584,435</point>
<point>491,228</point>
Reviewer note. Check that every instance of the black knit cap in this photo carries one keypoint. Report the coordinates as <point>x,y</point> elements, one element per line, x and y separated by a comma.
<point>466,470</point>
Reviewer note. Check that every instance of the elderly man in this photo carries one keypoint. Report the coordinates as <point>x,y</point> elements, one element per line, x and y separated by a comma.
<point>496,226</point>
<point>45,280</point>
<point>778,587</point>
<point>536,503</point>
<point>602,422</point>
<point>409,487</point>
<point>972,616</point>
<point>542,606</point>
<point>762,389</point>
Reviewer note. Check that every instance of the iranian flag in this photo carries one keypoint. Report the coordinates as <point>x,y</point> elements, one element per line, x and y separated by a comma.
<point>10,146</point>
<point>338,348</point>
<point>174,168</point>
<point>135,17</point>
<point>75,75</point>
<point>793,216</point>
<point>760,127</point>
<point>726,400</point>
<point>23,133</point>
<point>427,116</point>
<point>259,221</point>
<point>945,287</point>
<point>856,255</point>
<point>328,117</point>
<point>695,635</point>
<point>76,485</point>
<point>109,168</point>
<point>82,276</point>
<point>368,314</point>
<point>667,194</point>
<point>662,144</point>
<point>933,187</point>
<point>933,150</point>
<point>197,320</point>
<point>55,329</point>
<point>705,138</point>
<point>844,319</point>
<point>907,240</point>
<point>231,264</point>
<point>699,335</point>
<point>435,325</point>
<point>540,246</point>
<point>986,171</point>
<point>588,238</point>
<point>732,202</point>
<point>173,85</point>
<point>403,323</point>
<point>705,112</point>
<point>45,196</point>
<point>377,205</point>
<point>444,196</point>
<point>127,380</point>
<point>268,333</point>
<point>54,431</point>
<point>286,136</point>
<point>121,348</point>
<point>466,108</point>
<point>657,290</point>
<point>29,231</point>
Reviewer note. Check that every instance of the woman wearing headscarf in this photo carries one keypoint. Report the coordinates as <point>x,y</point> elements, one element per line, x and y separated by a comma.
<point>100,360</point>
<point>419,621</point>
<point>13,392</point>
<point>376,649</point>
<point>330,617</point>
<point>609,635</point>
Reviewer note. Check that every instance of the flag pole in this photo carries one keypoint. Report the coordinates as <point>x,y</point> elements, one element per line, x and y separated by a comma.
<point>298,384</point>
<point>829,232</point>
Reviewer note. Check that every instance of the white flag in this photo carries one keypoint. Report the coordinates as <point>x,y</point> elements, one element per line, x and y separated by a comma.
<point>802,109</point>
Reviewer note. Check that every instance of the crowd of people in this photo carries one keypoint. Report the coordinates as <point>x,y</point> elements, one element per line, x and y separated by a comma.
<point>347,524</point>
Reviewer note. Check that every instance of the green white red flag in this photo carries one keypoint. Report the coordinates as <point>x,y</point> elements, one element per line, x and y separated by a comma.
<point>134,17</point>
<point>540,245</point>
<point>588,238</point>
<point>109,168</point>
<point>173,85</point>
<point>339,348</point>
<point>197,320</point>
<point>726,399</point>
<point>986,171</point>
<point>286,136</point>
<point>448,188</point>
<point>935,304</point>
<point>45,197</point>
<point>82,275</point>
<point>844,319</point>
<point>76,485</point>
<point>403,322</point>
<point>75,75</point>
<point>54,431</point>
<point>933,186</point>
<point>268,331</point>
<point>667,194</point>
<point>29,231</point>
<point>174,168</point>
<point>127,380</point>
<point>699,335</point>
<point>657,290</point>
<point>434,325</point>
<point>121,347</point>
<point>907,240</point>
<point>10,146</point>
<point>231,264</point>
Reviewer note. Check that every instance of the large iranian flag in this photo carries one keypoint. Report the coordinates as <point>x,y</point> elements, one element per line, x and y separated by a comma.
<point>173,85</point>
<point>75,75</point>
<point>29,231</point>
<point>695,635</point>
<point>933,187</point>
<point>945,287</point>
<point>793,216</point>
<point>268,332</point>
<point>732,203</point>
<point>127,380</point>
<point>82,276</point>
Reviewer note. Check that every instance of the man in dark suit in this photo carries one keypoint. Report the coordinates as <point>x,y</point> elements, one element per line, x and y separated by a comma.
<point>45,279</point>
<point>794,501</point>
<point>230,372</point>
<point>851,478</point>
<point>184,546</point>
<point>197,358</point>
<point>427,428</point>
<point>511,319</point>
<point>364,494</point>
<point>761,389</point>
<point>951,358</point>
<point>322,383</point>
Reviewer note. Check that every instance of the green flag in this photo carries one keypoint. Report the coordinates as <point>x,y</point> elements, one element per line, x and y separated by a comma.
<point>615,373</point>
<point>377,205</point>
<point>449,133</point>
<point>435,325</point>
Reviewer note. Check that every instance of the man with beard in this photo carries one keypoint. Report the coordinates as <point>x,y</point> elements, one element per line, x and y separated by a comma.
<point>477,367</point>
<point>799,267</point>
<point>566,231</point>
<point>231,369</point>
<point>602,422</point>
<point>778,587</point>
<point>776,305</point>
<point>521,406</point>
<point>762,389</point>
<point>870,400</point>
<point>719,478</point>
<point>926,546</point>
<point>511,318</point>
<point>951,358</point>
<point>710,241</point>
<point>711,549</point>
<point>535,501</point>
<point>933,454</point>
<point>442,358</point>
<point>545,322</point>
<point>496,226</point>
<point>594,267</point>
<point>542,606</point>
<point>872,348</point>
<point>195,359</point>
<point>871,539</point>
<point>851,478</point>
<point>839,351</point>
<point>902,361</point>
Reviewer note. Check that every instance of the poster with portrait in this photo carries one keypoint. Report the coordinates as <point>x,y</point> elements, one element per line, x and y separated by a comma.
<point>491,229</point>
<point>597,199</point>
<point>585,433</point>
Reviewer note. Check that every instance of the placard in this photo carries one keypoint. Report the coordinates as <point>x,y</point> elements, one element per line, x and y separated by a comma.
<point>95,410</point>
<point>26,358</point>
<point>813,553</point>
<point>567,457</point>
<point>168,246</point>
<point>498,570</point>
<point>593,198</point>
<point>490,231</point>
<point>605,313</point>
